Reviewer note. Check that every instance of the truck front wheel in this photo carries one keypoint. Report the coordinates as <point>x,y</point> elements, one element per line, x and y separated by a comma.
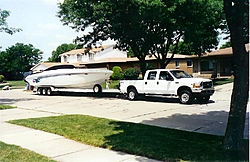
<point>185,97</point>
<point>132,94</point>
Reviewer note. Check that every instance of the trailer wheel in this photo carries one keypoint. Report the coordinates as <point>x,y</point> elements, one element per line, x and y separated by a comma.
<point>49,92</point>
<point>39,91</point>
<point>132,94</point>
<point>44,91</point>
<point>97,89</point>
<point>185,97</point>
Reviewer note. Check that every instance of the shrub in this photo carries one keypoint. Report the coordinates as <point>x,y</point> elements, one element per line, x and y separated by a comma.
<point>131,73</point>
<point>1,78</point>
<point>117,73</point>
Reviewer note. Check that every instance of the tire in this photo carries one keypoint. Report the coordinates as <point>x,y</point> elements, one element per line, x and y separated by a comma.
<point>43,91</point>
<point>97,89</point>
<point>49,92</point>
<point>203,99</point>
<point>185,97</point>
<point>39,91</point>
<point>132,94</point>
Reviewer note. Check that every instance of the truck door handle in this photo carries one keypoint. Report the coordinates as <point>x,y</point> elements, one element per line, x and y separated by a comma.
<point>146,83</point>
<point>157,83</point>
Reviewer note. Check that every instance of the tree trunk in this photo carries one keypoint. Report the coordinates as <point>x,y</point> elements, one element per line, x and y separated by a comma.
<point>236,121</point>
<point>143,66</point>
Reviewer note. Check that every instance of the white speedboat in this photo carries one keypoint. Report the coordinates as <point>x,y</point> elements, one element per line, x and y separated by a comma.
<point>68,77</point>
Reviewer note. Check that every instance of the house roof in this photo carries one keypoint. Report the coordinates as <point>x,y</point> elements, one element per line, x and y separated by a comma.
<point>83,50</point>
<point>224,51</point>
<point>108,60</point>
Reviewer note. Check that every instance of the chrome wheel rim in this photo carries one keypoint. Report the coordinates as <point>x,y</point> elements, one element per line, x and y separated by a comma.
<point>96,89</point>
<point>131,95</point>
<point>184,98</point>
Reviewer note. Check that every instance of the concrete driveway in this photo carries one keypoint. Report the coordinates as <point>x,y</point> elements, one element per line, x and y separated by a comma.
<point>208,118</point>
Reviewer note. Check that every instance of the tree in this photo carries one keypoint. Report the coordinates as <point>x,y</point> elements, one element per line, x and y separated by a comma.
<point>236,11</point>
<point>17,59</point>
<point>61,49</point>
<point>147,27</point>
<point>3,23</point>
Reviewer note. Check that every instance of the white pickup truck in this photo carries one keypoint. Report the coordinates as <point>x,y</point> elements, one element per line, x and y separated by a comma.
<point>169,82</point>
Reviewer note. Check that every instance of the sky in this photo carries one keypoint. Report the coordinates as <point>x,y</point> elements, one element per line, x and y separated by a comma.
<point>39,23</point>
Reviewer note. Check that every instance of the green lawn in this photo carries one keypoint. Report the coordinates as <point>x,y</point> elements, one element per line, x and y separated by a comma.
<point>3,106</point>
<point>11,153</point>
<point>16,84</point>
<point>138,139</point>
<point>112,85</point>
<point>221,81</point>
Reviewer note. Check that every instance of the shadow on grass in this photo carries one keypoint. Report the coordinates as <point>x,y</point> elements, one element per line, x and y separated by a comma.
<point>173,144</point>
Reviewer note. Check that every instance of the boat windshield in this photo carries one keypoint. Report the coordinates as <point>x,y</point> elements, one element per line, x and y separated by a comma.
<point>60,67</point>
<point>180,74</point>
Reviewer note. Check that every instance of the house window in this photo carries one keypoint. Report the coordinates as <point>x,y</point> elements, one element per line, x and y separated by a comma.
<point>64,58</point>
<point>189,63</point>
<point>207,65</point>
<point>177,64</point>
<point>79,57</point>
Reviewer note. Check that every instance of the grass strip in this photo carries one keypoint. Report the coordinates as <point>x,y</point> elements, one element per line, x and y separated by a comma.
<point>3,107</point>
<point>10,153</point>
<point>138,139</point>
<point>221,81</point>
<point>16,84</point>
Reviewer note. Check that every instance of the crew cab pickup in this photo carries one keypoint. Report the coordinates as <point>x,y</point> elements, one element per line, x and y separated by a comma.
<point>169,82</point>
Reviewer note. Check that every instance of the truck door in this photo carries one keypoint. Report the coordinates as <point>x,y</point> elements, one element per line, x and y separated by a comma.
<point>165,83</point>
<point>150,83</point>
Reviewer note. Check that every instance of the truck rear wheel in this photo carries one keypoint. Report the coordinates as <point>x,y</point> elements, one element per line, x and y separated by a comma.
<point>185,97</point>
<point>132,94</point>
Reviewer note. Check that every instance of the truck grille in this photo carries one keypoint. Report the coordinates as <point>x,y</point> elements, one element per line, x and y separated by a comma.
<point>207,84</point>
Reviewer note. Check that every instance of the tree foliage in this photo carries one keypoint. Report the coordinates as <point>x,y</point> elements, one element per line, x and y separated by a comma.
<point>147,27</point>
<point>3,23</point>
<point>131,73</point>
<point>61,49</point>
<point>117,73</point>
<point>17,59</point>
<point>236,11</point>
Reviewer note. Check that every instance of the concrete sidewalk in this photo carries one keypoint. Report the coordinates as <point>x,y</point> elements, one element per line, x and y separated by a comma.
<point>208,118</point>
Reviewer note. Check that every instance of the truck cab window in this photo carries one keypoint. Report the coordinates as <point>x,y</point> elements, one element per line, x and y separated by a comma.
<point>164,75</point>
<point>151,75</point>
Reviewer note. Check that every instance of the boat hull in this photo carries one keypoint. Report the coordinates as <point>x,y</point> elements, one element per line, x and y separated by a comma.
<point>69,78</point>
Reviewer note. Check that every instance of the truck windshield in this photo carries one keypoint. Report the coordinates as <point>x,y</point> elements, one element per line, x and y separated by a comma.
<point>180,74</point>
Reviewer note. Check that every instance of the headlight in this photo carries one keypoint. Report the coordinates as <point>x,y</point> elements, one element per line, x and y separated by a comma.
<point>197,85</point>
